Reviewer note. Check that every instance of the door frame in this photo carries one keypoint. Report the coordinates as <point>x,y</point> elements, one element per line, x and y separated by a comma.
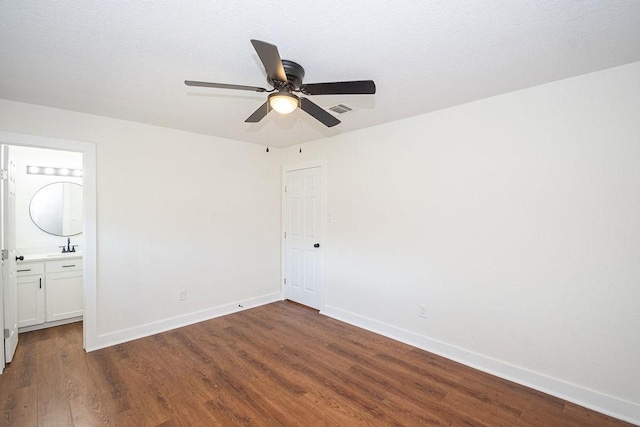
<point>89,183</point>
<point>323,224</point>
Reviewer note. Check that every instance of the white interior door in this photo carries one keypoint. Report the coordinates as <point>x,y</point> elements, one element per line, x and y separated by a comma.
<point>1,307</point>
<point>10,293</point>
<point>303,254</point>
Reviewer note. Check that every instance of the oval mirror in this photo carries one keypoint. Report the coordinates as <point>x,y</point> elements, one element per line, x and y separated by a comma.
<point>57,208</point>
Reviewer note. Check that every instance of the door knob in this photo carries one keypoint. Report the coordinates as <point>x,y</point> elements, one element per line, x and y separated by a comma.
<point>20,258</point>
<point>317,245</point>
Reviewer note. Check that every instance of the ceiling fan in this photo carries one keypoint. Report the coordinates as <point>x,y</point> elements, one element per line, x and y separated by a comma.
<point>286,77</point>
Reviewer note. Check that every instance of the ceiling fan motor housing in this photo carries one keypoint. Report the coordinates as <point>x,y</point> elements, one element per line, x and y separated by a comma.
<point>294,72</point>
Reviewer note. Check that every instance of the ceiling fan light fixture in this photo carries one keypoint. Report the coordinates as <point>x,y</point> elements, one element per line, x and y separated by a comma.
<point>283,102</point>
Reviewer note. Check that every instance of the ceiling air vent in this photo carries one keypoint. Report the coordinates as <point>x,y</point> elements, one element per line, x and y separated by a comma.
<point>340,109</point>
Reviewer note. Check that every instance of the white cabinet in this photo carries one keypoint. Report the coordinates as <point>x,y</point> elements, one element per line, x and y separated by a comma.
<point>64,289</point>
<point>49,292</point>
<point>30,278</point>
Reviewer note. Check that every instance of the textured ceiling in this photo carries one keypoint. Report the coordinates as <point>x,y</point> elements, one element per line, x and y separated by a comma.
<point>128,60</point>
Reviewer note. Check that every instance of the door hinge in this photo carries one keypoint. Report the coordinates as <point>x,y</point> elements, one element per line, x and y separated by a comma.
<point>285,188</point>
<point>285,280</point>
<point>7,334</point>
<point>5,254</point>
<point>4,174</point>
<point>285,234</point>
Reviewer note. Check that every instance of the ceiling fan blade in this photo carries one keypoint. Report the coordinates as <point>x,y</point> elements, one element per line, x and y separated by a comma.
<point>259,114</point>
<point>318,113</point>
<point>224,86</point>
<point>270,58</point>
<point>356,87</point>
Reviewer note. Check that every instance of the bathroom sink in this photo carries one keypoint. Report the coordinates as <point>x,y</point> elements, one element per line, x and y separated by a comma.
<point>55,255</point>
<point>64,255</point>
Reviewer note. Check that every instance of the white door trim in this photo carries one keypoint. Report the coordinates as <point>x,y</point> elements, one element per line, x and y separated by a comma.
<point>88,150</point>
<point>323,223</point>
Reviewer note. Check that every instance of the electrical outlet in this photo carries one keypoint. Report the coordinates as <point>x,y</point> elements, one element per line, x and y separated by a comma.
<point>422,311</point>
<point>182,295</point>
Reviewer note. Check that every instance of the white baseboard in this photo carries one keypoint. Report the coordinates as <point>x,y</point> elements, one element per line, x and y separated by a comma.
<point>609,405</point>
<point>118,337</point>
<point>49,324</point>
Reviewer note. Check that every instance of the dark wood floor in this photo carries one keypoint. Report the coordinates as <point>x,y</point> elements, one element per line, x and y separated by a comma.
<point>280,364</point>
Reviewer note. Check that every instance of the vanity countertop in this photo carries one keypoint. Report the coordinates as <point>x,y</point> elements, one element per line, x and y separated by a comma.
<point>52,256</point>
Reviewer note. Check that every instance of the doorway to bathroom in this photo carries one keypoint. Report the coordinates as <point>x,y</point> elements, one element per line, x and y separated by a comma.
<point>47,242</point>
<point>41,214</point>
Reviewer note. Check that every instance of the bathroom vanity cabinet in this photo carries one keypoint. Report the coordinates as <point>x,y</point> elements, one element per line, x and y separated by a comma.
<point>30,283</point>
<point>49,292</point>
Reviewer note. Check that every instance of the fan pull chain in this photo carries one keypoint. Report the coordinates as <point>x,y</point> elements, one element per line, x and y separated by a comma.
<point>267,148</point>
<point>300,149</point>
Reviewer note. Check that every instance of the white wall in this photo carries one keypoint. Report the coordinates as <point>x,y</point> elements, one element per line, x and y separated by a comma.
<point>515,219</point>
<point>175,210</point>
<point>29,238</point>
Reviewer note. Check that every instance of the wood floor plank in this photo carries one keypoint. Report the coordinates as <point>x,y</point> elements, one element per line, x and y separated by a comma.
<point>585,418</point>
<point>90,410</point>
<point>282,364</point>
<point>53,403</point>
<point>20,407</point>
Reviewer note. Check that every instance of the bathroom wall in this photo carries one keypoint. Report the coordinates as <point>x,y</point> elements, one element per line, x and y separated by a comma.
<point>29,238</point>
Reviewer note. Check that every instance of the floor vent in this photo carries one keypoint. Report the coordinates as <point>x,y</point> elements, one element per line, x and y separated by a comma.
<point>340,108</point>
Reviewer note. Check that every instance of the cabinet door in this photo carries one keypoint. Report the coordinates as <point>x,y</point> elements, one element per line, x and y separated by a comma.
<point>30,300</point>
<point>64,295</point>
